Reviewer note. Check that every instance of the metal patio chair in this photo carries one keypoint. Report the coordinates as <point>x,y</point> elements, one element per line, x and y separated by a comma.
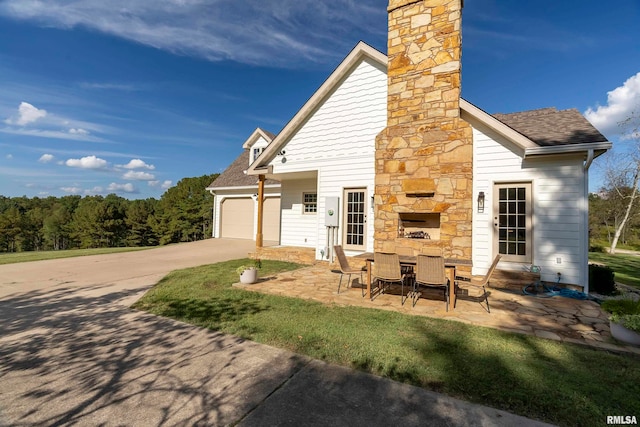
<point>345,268</point>
<point>479,283</point>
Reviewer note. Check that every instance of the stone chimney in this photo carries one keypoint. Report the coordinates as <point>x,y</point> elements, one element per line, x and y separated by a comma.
<point>423,191</point>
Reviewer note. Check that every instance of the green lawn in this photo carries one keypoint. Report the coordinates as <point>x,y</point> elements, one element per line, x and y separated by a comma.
<point>626,267</point>
<point>542,379</point>
<point>10,258</point>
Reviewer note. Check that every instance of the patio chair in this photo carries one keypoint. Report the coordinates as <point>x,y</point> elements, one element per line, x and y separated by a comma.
<point>345,268</point>
<point>387,270</point>
<point>473,282</point>
<point>430,273</point>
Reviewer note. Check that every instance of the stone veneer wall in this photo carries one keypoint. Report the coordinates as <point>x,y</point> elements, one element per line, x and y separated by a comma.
<point>426,147</point>
<point>295,254</point>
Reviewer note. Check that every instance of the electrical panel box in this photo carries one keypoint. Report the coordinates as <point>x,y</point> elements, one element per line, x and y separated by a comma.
<point>331,209</point>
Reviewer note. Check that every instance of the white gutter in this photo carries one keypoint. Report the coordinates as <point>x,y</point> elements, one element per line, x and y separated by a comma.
<point>568,149</point>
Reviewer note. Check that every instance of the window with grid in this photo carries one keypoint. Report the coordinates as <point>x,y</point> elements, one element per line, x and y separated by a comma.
<point>513,221</point>
<point>256,153</point>
<point>310,203</point>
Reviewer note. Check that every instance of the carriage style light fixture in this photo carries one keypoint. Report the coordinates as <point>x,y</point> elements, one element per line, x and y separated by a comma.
<point>481,202</point>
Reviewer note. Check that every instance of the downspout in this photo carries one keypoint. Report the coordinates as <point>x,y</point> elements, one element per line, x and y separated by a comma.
<point>587,164</point>
<point>213,214</point>
<point>590,157</point>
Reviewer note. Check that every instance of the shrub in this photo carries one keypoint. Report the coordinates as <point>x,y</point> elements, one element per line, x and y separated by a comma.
<point>629,321</point>
<point>601,280</point>
<point>621,306</point>
<point>625,312</point>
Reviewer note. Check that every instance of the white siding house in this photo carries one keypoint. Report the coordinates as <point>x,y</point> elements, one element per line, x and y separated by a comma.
<point>530,168</point>
<point>557,190</point>
<point>235,205</point>
<point>333,150</point>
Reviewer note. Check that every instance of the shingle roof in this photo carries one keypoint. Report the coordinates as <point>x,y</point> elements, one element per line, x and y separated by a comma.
<point>549,126</point>
<point>234,175</point>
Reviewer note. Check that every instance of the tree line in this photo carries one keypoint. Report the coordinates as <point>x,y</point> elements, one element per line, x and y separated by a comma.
<point>607,211</point>
<point>182,214</point>
<point>614,213</point>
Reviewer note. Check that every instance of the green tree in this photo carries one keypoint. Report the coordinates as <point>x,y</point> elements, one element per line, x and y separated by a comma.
<point>139,214</point>
<point>185,211</point>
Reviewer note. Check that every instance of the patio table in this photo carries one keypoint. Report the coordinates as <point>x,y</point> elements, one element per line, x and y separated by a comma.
<point>450,265</point>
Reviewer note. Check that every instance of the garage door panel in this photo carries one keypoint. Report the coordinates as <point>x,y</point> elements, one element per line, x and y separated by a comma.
<point>237,218</point>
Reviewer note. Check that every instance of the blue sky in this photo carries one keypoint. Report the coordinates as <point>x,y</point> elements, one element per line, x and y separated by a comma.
<point>130,96</point>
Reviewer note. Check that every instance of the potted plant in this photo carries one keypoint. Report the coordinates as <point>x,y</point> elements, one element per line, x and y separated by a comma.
<point>624,320</point>
<point>249,273</point>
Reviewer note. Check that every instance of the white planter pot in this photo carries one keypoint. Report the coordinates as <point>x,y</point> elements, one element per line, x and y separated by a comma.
<point>623,334</point>
<point>249,276</point>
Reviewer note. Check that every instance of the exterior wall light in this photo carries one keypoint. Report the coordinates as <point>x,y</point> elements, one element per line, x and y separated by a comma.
<point>481,202</point>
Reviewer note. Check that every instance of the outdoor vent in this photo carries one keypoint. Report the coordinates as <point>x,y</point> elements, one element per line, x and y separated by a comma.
<point>421,194</point>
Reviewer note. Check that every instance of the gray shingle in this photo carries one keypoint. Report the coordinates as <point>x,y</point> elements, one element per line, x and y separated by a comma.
<point>549,126</point>
<point>234,175</point>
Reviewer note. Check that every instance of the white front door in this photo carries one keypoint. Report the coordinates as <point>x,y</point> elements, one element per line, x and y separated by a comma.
<point>512,211</point>
<point>355,219</point>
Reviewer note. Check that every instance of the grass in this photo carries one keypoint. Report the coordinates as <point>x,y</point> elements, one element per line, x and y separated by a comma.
<point>542,379</point>
<point>10,258</point>
<point>626,267</point>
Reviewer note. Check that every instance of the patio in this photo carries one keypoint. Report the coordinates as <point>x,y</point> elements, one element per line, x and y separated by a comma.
<point>556,318</point>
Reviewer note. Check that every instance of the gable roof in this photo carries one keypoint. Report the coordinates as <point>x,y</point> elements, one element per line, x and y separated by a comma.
<point>235,174</point>
<point>549,126</point>
<point>359,53</point>
<point>544,131</point>
<point>555,132</point>
<point>268,136</point>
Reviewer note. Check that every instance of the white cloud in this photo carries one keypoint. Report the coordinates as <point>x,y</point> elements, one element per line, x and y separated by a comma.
<point>78,131</point>
<point>137,164</point>
<point>268,32</point>
<point>621,102</point>
<point>45,158</point>
<point>138,176</point>
<point>27,113</point>
<point>89,162</point>
<point>166,184</point>
<point>9,156</point>
<point>72,190</point>
<point>122,188</point>
<point>94,191</point>
<point>153,183</point>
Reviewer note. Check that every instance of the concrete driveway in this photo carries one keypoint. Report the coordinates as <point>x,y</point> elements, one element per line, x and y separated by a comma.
<point>73,353</point>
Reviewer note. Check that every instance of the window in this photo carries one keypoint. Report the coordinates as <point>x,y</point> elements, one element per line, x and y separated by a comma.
<point>256,154</point>
<point>512,221</point>
<point>310,203</point>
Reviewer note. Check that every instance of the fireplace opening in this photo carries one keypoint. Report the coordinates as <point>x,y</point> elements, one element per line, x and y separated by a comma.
<point>419,226</point>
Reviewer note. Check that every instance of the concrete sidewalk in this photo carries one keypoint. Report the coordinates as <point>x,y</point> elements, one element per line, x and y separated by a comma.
<point>74,354</point>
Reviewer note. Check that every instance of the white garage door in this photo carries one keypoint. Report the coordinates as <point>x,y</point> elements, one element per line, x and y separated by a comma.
<point>237,218</point>
<point>271,225</point>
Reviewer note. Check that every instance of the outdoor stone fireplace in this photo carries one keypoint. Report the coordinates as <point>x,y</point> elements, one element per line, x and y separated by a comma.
<point>424,226</point>
<point>424,155</point>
